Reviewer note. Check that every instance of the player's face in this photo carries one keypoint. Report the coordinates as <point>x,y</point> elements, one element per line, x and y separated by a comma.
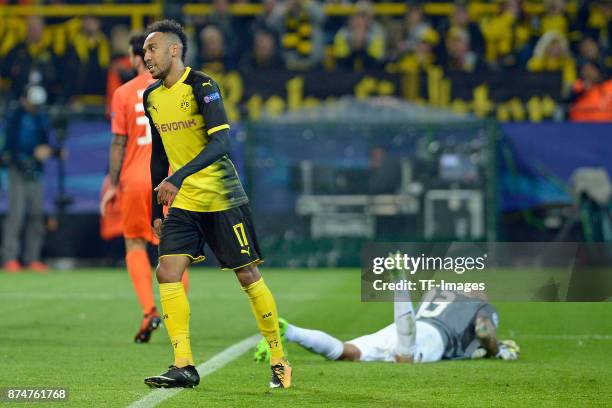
<point>157,58</point>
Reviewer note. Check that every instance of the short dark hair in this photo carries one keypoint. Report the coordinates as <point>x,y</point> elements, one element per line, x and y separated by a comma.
<point>169,26</point>
<point>137,45</point>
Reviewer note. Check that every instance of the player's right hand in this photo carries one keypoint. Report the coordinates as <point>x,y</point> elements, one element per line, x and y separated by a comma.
<point>157,224</point>
<point>107,198</point>
<point>166,192</point>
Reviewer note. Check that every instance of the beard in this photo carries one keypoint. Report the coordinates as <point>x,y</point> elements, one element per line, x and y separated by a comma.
<point>161,73</point>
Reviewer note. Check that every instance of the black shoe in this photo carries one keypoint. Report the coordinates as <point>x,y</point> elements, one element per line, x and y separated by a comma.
<point>150,322</point>
<point>185,377</point>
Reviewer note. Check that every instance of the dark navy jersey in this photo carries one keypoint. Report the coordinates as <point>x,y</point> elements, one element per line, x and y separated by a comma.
<point>454,315</point>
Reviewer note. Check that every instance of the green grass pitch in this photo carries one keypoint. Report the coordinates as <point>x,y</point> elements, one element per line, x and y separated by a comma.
<point>75,330</point>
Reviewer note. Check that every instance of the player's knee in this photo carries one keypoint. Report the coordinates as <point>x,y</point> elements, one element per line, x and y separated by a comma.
<point>133,244</point>
<point>350,353</point>
<point>161,273</point>
<point>248,274</point>
<point>166,274</point>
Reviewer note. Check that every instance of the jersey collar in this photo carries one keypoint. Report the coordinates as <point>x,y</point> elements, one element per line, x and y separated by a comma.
<point>181,79</point>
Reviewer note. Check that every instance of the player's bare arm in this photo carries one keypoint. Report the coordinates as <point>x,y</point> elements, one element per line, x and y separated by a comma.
<point>117,153</point>
<point>494,348</point>
<point>159,170</point>
<point>486,335</point>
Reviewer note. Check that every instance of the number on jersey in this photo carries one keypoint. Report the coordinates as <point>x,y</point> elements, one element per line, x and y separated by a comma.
<point>143,121</point>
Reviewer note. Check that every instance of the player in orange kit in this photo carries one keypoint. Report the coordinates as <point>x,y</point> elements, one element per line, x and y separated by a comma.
<point>130,157</point>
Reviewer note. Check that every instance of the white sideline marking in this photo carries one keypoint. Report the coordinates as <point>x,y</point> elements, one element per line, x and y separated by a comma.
<point>208,367</point>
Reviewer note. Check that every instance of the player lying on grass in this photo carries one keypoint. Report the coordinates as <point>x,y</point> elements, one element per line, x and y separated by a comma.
<point>448,326</point>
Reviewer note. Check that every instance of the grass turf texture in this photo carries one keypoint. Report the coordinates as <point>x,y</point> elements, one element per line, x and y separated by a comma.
<point>75,329</point>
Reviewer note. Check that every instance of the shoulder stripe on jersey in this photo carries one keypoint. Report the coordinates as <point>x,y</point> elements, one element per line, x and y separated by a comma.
<point>150,89</point>
<point>199,78</point>
<point>217,128</point>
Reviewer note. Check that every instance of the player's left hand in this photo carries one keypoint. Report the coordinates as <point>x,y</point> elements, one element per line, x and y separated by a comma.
<point>508,350</point>
<point>166,192</point>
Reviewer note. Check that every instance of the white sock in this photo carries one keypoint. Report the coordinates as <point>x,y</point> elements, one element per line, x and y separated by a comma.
<point>406,328</point>
<point>316,341</point>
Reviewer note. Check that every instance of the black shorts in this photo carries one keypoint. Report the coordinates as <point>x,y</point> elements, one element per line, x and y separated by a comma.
<point>229,234</point>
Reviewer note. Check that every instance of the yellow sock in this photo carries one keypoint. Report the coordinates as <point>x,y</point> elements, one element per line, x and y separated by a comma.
<point>176,319</point>
<point>264,309</point>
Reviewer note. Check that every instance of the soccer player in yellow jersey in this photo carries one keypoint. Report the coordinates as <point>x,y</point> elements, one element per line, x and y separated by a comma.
<point>190,134</point>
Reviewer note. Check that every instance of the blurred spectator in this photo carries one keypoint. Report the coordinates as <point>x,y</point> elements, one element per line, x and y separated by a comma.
<point>591,96</point>
<point>90,54</point>
<point>79,50</point>
<point>267,20</point>
<point>460,19</point>
<point>554,18</point>
<point>264,56</point>
<point>421,57</point>
<point>588,50</point>
<point>506,34</point>
<point>120,70</point>
<point>416,49</point>
<point>361,44</point>
<point>459,56</point>
<point>552,54</point>
<point>30,61</point>
<point>593,20</point>
<point>225,23</point>
<point>416,30</point>
<point>26,148</point>
<point>213,56</point>
<point>300,25</point>
<point>222,18</point>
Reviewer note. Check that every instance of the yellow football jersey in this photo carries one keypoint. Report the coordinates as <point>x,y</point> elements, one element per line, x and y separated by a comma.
<point>184,117</point>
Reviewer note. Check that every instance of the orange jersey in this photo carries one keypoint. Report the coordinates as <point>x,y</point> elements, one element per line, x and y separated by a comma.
<point>128,119</point>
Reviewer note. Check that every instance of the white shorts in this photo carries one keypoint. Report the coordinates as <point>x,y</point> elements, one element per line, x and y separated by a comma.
<point>380,346</point>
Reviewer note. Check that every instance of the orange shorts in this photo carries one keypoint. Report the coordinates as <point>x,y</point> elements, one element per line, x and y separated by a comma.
<point>136,215</point>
